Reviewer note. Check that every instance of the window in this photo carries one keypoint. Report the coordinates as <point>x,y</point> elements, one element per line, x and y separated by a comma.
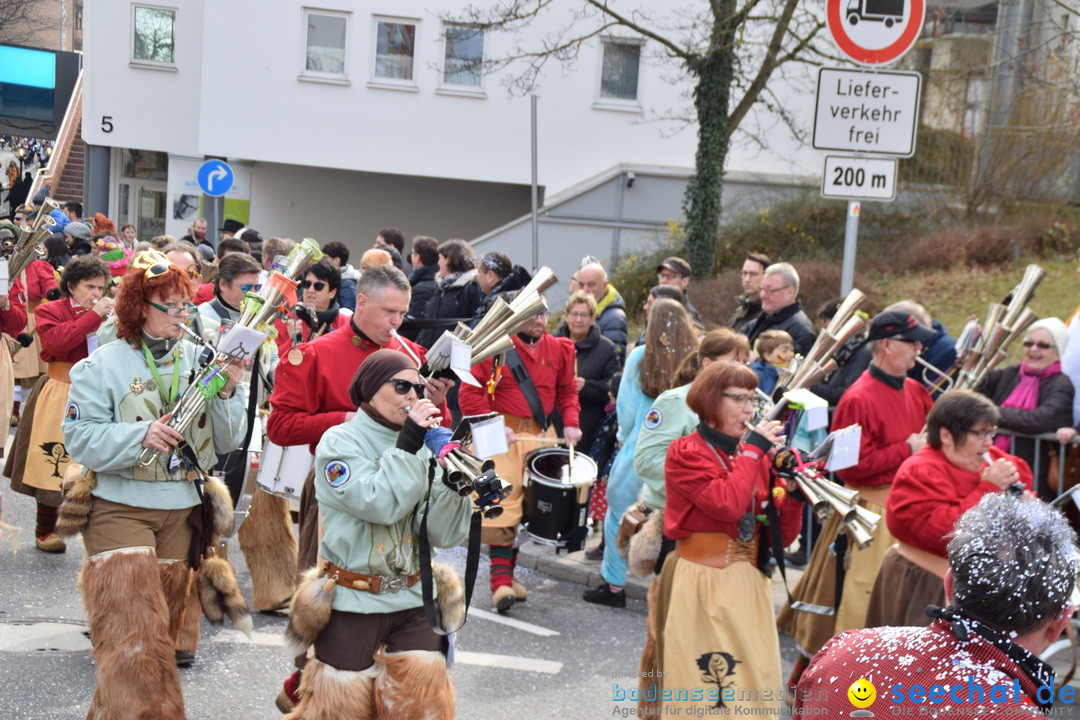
<point>155,34</point>
<point>619,71</point>
<point>324,48</point>
<point>395,49</point>
<point>464,55</point>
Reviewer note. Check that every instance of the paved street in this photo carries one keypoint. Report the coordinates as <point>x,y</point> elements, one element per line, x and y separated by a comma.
<point>552,657</point>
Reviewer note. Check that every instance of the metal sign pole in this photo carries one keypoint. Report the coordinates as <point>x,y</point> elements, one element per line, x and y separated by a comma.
<point>534,191</point>
<point>851,237</point>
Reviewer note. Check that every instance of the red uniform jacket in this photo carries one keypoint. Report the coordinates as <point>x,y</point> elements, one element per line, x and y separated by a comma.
<point>887,416</point>
<point>13,320</point>
<point>929,494</point>
<point>285,341</point>
<point>62,327</point>
<point>706,494</point>
<point>549,363</point>
<point>311,397</point>
<point>204,293</point>
<point>40,279</point>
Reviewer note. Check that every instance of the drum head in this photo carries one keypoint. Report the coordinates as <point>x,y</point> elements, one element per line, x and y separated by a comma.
<point>551,466</point>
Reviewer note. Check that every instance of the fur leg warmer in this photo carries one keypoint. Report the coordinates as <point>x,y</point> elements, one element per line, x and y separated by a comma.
<point>175,584</point>
<point>269,546</point>
<point>649,662</point>
<point>329,694</point>
<point>309,611</point>
<point>222,518</point>
<point>188,639</point>
<point>129,620</point>
<point>413,685</point>
<point>75,509</point>
<point>219,594</point>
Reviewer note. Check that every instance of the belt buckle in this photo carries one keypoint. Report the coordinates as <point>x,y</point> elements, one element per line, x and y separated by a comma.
<point>392,583</point>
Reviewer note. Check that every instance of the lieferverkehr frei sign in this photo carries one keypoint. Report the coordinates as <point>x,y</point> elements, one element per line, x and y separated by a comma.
<point>867,111</point>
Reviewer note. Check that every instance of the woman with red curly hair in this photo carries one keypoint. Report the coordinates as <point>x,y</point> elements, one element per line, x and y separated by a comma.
<point>139,544</point>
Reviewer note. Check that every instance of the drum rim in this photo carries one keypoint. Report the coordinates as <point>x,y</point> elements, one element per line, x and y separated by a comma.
<point>535,475</point>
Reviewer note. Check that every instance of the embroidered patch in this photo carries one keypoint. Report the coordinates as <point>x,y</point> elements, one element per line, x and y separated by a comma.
<point>653,418</point>
<point>337,473</point>
<point>72,412</point>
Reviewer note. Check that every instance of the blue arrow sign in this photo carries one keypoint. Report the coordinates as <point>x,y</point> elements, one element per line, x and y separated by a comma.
<point>215,177</point>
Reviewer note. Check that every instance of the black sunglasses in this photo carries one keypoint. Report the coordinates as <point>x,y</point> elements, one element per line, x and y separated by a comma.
<point>402,387</point>
<point>1028,344</point>
<point>319,287</point>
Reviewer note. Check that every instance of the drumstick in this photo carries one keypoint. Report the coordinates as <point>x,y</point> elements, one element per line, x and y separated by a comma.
<point>541,439</point>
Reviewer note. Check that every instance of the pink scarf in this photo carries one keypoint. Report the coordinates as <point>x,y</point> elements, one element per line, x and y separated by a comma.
<point>1025,396</point>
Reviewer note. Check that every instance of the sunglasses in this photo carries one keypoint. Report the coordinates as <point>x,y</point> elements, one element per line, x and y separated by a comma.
<point>318,285</point>
<point>1028,344</point>
<point>174,310</point>
<point>402,387</point>
<point>251,287</point>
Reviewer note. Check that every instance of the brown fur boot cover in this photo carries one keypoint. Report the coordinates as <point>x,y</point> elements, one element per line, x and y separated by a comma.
<point>75,509</point>
<point>450,596</point>
<point>188,638</point>
<point>648,668</point>
<point>222,519</point>
<point>266,537</point>
<point>219,594</point>
<point>136,666</point>
<point>413,685</point>
<point>176,585</point>
<point>645,546</point>
<point>330,694</point>
<point>309,612</point>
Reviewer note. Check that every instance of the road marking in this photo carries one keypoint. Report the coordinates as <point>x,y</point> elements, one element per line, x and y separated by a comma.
<point>508,662</point>
<point>520,625</point>
<point>270,639</point>
<point>43,636</point>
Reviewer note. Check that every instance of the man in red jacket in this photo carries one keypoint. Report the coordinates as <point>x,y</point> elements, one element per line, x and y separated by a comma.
<point>549,362</point>
<point>1011,572</point>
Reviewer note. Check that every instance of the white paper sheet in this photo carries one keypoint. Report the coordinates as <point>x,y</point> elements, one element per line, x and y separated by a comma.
<point>489,437</point>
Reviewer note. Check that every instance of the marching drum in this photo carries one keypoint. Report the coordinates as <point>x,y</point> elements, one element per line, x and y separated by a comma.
<point>282,470</point>
<point>557,496</point>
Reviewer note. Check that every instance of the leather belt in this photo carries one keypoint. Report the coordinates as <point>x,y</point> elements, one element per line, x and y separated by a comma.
<point>61,371</point>
<point>716,550</point>
<point>377,584</point>
<point>928,561</point>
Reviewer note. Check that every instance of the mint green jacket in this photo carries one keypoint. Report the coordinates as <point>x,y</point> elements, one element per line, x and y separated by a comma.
<point>112,401</point>
<point>669,418</point>
<point>372,497</point>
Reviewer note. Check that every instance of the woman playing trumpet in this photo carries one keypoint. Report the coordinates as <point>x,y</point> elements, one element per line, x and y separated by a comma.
<point>66,330</point>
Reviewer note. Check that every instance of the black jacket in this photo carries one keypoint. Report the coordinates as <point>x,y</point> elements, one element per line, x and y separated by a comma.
<point>423,285</point>
<point>791,320</point>
<point>597,361</point>
<point>457,298</point>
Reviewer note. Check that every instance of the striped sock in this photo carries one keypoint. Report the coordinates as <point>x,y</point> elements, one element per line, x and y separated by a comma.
<point>502,566</point>
<point>615,588</point>
<point>46,520</point>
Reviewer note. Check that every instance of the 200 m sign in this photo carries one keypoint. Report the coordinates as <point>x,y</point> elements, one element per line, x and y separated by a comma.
<point>859,178</point>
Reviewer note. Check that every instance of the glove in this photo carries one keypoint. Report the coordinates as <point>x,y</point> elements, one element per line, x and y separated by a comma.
<point>438,441</point>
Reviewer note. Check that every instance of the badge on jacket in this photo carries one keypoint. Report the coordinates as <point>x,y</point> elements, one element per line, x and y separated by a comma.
<point>337,473</point>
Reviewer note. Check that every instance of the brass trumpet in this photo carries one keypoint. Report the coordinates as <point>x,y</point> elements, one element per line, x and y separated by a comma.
<point>30,244</point>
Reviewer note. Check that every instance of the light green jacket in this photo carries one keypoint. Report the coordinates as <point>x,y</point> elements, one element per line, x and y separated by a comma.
<point>372,497</point>
<point>112,401</point>
<point>668,419</point>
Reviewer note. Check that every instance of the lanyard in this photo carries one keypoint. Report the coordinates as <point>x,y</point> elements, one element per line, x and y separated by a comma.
<point>169,399</point>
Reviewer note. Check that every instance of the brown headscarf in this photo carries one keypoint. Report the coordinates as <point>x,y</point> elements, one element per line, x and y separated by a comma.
<point>379,367</point>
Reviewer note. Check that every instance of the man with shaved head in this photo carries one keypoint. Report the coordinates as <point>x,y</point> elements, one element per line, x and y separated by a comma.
<point>610,308</point>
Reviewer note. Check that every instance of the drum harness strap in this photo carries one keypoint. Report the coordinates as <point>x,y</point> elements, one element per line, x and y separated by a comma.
<point>528,389</point>
<point>472,562</point>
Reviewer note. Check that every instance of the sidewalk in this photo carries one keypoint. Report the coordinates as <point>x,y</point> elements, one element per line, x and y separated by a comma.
<point>573,567</point>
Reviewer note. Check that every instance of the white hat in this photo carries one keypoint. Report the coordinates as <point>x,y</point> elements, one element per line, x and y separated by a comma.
<point>1057,330</point>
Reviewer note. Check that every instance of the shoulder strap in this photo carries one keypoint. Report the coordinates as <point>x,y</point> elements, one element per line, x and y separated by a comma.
<point>220,309</point>
<point>528,389</point>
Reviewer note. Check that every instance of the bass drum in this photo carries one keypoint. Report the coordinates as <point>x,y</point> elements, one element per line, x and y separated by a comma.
<point>557,497</point>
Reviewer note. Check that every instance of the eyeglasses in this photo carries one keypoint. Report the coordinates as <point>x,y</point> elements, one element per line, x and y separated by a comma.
<point>319,287</point>
<point>1028,344</point>
<point>579,315</point>
<point>175,310</point>
<point>402,387</point>
<point>740,398</point>
<point>984,434</point>
<point>767,291</point>
<point>252,287</point>
<point>20,218</point>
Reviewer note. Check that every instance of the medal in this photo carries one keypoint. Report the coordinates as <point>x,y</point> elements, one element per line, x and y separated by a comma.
<point>356,340</point>
<point>747,524</point>
<point>137,386</point>
<point>296,356</point>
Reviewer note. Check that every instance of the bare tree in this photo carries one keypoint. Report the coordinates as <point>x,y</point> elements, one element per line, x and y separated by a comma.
<point>730,50</point>
<point>21,21</point>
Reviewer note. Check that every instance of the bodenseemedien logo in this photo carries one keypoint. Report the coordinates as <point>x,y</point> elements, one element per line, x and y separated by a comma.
<point>862,694</point>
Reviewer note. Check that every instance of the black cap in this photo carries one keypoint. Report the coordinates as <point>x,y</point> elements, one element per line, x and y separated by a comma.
<point>231,226</point>
<point>897,323</point>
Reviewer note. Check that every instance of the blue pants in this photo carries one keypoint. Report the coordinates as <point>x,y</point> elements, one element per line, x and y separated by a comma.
<point>622,492</point>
